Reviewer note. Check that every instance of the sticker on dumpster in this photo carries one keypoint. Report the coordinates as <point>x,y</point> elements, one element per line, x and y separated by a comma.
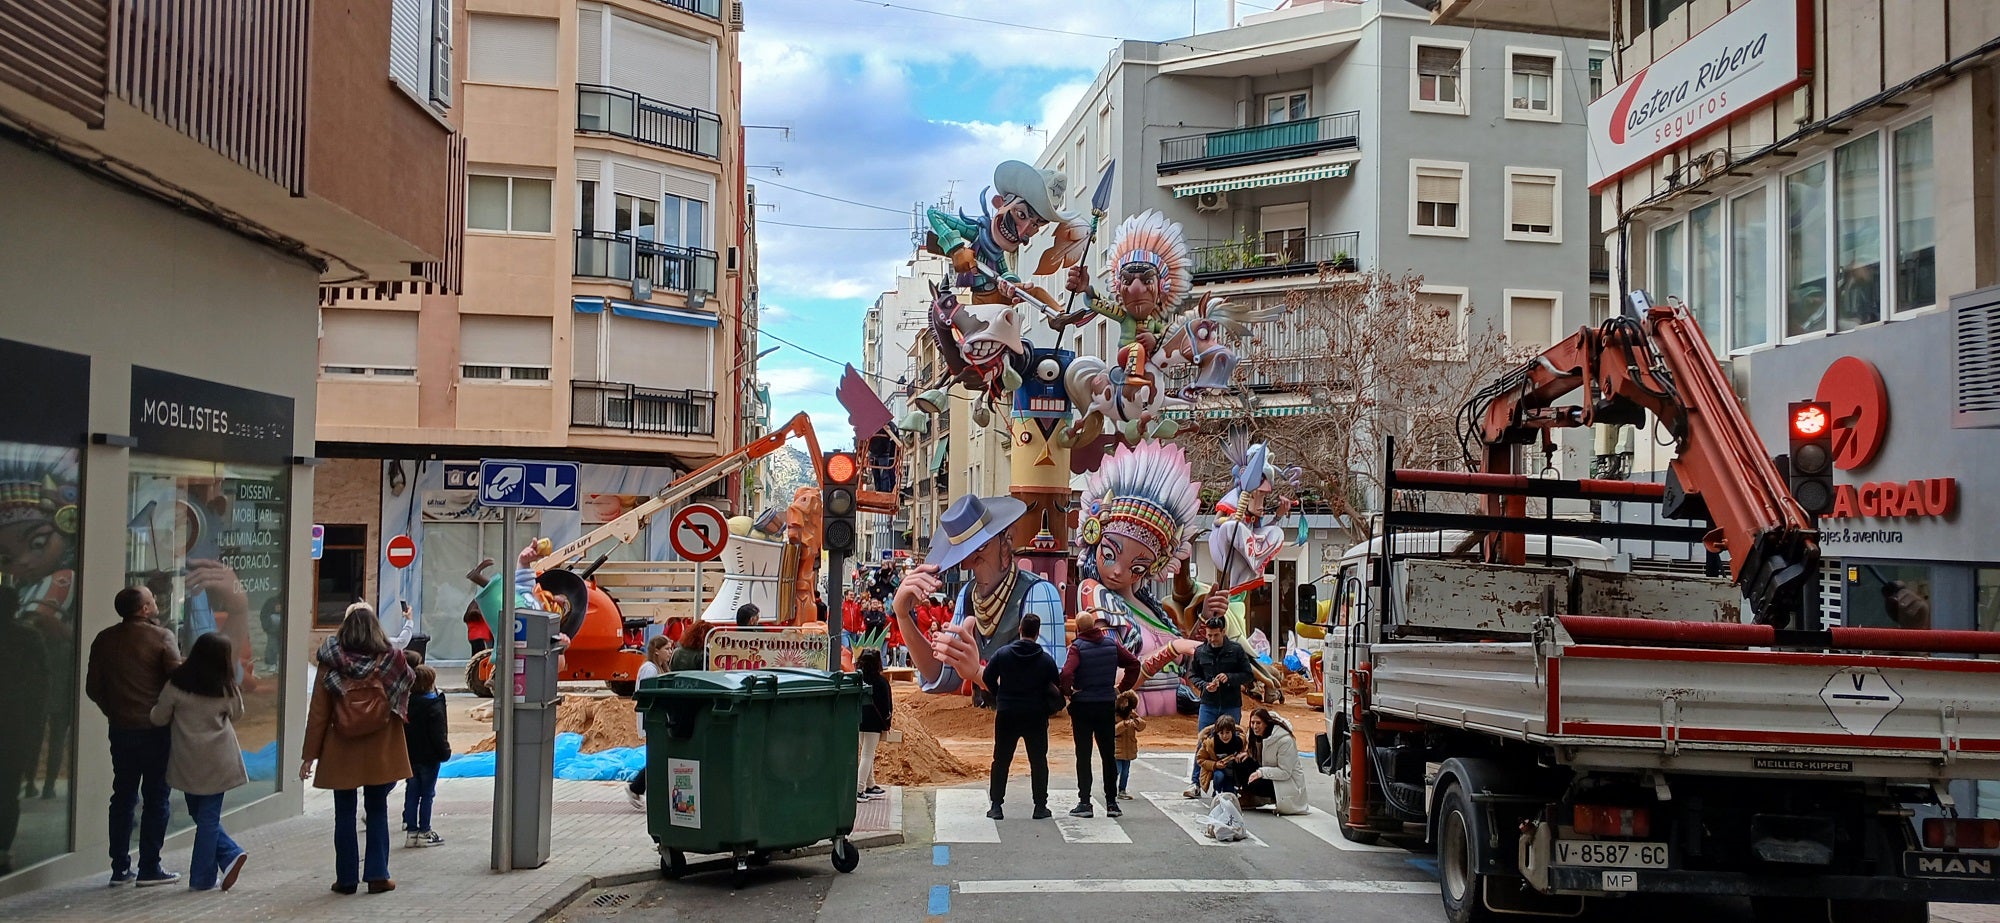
<point>684,793</point>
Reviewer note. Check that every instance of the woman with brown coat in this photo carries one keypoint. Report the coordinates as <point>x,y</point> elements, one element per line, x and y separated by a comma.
<point>354,732</point>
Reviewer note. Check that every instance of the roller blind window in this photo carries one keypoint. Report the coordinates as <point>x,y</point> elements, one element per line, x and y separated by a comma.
<point>1531,323</point>
<point>1533,208</point>
<point>368,343</point>
<point>660,65</point>
<point>652,354</point>
<point>1437,74</point>
<point>513,49</point>
<point>1439,194</point>
<point>503,348</point>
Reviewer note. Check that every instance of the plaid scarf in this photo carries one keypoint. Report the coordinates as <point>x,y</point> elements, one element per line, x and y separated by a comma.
<point>338,667</point>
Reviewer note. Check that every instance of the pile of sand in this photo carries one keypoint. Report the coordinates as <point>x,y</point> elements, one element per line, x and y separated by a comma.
<point>918,759</point>
<point>605,721</point>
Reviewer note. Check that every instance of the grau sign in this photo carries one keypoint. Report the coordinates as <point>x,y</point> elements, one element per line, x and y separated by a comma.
<point>185,417</point>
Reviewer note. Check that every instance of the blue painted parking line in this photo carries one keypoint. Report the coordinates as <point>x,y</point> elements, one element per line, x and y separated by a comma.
<point>940,855</point>
<point>940,900</point>
<point>1426,866</point>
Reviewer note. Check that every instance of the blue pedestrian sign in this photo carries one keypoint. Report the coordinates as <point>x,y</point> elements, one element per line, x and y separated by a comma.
<point>532,484</point>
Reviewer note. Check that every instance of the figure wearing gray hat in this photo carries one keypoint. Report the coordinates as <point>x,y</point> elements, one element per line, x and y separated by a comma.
<point>974,533</point>
<point>1023,203</point>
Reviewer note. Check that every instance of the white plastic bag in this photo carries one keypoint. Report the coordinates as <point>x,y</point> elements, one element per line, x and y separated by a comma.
<point>1225,819</point>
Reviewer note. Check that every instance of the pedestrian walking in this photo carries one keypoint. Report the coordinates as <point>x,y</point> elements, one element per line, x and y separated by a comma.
<point>428,738</point>
<point>200,705</point>
<point>355,744</point>
<point>129,665</point>
<point>1129,726</point>
<point>1223,756</point>
<point>1091,681</point>
<point>659,652</point>
<point>875,718</point>
<point>1276,780</point>
<point>1219,672</point>
<point>1023,679</point>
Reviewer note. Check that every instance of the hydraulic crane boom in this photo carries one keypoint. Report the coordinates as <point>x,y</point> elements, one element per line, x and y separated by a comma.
<point>1660,363</point>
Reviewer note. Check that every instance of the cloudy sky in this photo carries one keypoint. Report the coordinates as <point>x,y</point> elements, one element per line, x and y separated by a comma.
<point>890,105</point>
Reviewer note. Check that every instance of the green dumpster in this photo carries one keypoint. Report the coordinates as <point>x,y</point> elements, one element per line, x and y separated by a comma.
<point>748,763</point>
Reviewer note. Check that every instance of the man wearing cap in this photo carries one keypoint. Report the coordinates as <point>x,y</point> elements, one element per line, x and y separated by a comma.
<point>1024,202</point>
<point>973,533</point>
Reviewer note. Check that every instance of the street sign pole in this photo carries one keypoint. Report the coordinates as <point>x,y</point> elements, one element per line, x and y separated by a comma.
<point>503,713</point>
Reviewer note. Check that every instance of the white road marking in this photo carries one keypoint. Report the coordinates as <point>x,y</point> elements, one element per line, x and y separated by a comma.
<point>1327,827</point>
<point>961,817</point>
<point>1189,814</point>
<point>1195,886</point>
<point>1091,830</point>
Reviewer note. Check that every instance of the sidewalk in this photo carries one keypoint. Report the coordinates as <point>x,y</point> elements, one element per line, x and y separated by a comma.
<point>1965,913</point>
<point>596,839</point>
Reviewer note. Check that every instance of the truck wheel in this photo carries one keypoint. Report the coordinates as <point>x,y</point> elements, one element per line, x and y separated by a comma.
<point>479,674</point>
<point>622,688</point>
<point>1459,879</point>
<point>1341,793</point>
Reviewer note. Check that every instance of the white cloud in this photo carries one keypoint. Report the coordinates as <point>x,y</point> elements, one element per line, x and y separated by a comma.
<point>793,381</point>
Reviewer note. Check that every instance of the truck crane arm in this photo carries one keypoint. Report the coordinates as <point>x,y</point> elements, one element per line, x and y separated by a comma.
<point>626,528</point>
<point>1659,363</point>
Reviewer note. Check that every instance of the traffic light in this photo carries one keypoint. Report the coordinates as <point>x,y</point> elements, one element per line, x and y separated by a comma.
<point>837,501</point>
<point>1810,427</point>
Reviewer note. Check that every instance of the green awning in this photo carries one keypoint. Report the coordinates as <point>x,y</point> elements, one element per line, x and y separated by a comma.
<point>937,460</point>
<point>1278,178</point>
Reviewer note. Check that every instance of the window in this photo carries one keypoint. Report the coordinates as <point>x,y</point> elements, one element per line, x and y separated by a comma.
<point>1438,87</point>
<point>1437,329</point>
<point>1704,296</point>
<point>1080,188</point>
<point>1596,75</point>
<point>586,205</point>
<point>1532,93</point>
<point>1857,185</point>
<point>1916,223</point>
<point>1282,231</point>
<point>1805,251</point>
<point>1534,205</point>
<point>39,556</point>
<point>1749,301</point>
<point>365,343</point>
<point>495,348</point>
<point>1286,107</point>
<point>1669,266</point>
<point>1437,193</point>
<point>420,48</point>
<point>1532,319</point>
<point>654,63</point>
<point>1104,141</point>
<point>511,204</point>
<point>512,49</point>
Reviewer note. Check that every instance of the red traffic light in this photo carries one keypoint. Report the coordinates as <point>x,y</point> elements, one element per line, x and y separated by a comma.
<point>840,468</point>
<point>1809,421</point>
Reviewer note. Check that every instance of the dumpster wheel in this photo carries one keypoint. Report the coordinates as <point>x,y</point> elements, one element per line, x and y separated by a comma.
<point>845,857</point>
<point>673,864</point>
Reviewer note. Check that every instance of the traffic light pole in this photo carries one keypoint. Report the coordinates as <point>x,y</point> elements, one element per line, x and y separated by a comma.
<point>836,580</point>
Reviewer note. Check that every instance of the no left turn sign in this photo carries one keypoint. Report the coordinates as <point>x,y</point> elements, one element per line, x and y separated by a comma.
<point>698,532</point>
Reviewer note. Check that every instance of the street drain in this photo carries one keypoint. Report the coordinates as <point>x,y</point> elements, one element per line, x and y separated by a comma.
<point>611,899</point>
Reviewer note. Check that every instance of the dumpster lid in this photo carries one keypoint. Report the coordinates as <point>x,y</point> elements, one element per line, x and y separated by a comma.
<point>743,683</point>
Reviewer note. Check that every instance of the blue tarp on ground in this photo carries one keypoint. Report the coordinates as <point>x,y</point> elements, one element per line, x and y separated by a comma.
<point>262,764</point>
<point>616,765</point>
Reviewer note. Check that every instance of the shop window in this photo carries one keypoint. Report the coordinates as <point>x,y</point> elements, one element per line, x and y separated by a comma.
<point>1916,221</point>
<point>1805,251</point>
<point>40,513</point>
<point>1888,596</point>
<point>340,575</point>
<point>1749,246</point>
<point>1986,598</point>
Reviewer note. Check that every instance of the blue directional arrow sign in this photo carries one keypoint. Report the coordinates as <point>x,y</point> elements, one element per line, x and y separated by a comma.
<point>531,484</point>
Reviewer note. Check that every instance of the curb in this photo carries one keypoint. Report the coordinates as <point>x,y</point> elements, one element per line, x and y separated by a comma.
<point>575,887</point>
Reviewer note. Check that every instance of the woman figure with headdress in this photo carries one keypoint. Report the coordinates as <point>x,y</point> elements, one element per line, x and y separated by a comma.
<point>1139,512</point>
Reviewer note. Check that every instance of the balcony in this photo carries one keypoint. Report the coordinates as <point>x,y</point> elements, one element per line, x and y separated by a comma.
<point>709,8</point>
<point>625,114</point>
<point>1600,263</point>
<point>1261,144</point>
<point>1241,260</point>
<point>649,411</point>
<point>656,267</point>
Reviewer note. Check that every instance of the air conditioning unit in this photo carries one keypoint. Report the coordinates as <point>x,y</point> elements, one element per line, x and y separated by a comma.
<point>736,15</point>
<point>1211,202</point>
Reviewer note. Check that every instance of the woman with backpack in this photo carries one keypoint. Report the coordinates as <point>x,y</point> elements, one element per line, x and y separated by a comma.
<point>354,733</point>
<point>202,703</point>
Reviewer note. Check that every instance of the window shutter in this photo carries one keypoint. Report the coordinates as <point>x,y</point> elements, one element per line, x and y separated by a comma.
<point>1437,61</point>
<point>635,181</point>
<point>662,66</point>
<point>408,44</point>
<point>658,354</point>
<point>1535,64</point>
<point>1534,201</point>
<point>493,340</point>
<point>589,170</point>
<point>590,46</point>
<point>585,331</point>
<point>1437,186</point>
<point>1975,386</point>
<point>1531,322</point>
<point>513,49</point>
<point>688,187</point>
<point>381,339</point>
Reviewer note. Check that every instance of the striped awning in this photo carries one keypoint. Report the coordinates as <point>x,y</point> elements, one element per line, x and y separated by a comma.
<point>1289,410</point>
<point>1277,178</point>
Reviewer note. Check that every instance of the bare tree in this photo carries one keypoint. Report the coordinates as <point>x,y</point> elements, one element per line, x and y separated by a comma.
<point>1356,358</point>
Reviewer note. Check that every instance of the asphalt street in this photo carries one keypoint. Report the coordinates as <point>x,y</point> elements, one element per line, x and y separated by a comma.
<point>1150,865</point>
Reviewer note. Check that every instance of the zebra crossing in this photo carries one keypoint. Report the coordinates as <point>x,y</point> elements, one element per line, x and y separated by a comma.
<point>959,816</point>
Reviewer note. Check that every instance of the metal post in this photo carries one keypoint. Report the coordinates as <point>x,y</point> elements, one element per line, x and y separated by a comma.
<point>698,610</point>
<point>503,713</point>
<point>836,568</point>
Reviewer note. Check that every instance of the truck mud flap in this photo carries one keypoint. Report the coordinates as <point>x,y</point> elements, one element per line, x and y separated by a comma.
<point>1573,880</point>
<point>1323,755</point>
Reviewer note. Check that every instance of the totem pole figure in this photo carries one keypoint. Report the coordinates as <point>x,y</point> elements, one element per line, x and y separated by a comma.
<point>1039,464</point>
<point>1139,513</point>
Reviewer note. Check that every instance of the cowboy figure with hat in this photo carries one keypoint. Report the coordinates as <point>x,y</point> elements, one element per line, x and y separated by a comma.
<point>974,533</point>
<point>983,250</point>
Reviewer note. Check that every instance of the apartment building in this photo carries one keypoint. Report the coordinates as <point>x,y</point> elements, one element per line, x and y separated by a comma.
<point>164,255</point>
<point>890,331</point>
<point>608,313</point>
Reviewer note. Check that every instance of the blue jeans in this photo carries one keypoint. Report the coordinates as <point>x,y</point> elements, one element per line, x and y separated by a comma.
<point>1221,781</point>
<point>213,849</point>
<point>1124,774</point>
<point>139,767</point>
<point>375,800</point>
<point>418,794</point>
<point>1205,717</point>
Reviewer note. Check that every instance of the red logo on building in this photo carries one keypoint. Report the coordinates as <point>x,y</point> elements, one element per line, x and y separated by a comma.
<point>1860,404</point>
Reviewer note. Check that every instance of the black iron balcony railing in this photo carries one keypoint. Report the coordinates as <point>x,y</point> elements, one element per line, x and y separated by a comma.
<point>1257,258</point>
<point>608,255</point>
<point>648,121</point>
<point>1261,144</point>
<point>616,405</point>
<point>1600,263</point>
<point>709,8</point>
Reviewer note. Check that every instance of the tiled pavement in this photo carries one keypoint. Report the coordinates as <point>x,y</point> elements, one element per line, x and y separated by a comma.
<point>596,839</point>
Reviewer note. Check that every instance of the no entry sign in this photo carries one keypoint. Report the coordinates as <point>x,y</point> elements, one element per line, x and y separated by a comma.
<point>698,532</point>
<point>402,551</point>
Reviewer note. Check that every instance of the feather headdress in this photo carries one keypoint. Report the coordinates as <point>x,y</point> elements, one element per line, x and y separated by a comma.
<point>38,483</point>
<point>1147,493</point>
<point>1151,237</point>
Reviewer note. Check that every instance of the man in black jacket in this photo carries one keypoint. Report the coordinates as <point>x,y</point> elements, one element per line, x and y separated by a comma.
<point>1090,679</point>
<point>1220,671</point>
<point>1021,675</point>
